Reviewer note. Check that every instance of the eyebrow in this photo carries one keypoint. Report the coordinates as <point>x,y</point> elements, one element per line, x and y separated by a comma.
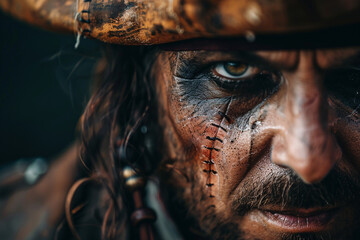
<point>194,58</point>
<point>277,60</point>
<point>282,63</point>
<point>290,62</point>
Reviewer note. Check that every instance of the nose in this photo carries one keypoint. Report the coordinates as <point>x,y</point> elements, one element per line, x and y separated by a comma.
<point>305,142</point>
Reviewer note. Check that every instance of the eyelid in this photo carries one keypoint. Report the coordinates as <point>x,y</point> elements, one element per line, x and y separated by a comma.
<point>250,70</point>
<point>204,60</point>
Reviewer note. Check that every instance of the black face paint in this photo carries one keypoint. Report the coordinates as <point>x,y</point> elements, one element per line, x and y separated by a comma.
<point>198,84</point>
<point>229,146</point>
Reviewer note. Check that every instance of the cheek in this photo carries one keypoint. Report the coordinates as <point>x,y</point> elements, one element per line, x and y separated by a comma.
<point>348,135</point>
<point>215,145</point>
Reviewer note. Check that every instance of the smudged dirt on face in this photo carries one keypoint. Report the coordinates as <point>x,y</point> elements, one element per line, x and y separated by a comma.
<point>225,148</point>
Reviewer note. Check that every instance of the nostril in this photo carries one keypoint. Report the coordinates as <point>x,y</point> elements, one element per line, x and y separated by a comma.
<point>310,160</point>
<point>278,152</point>
<point>282,165</point>
<point>313,174</point>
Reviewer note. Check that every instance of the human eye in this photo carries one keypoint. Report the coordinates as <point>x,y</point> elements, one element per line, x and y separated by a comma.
<point>243,80</point>
<point>221,79</point>
<point>233,70</point>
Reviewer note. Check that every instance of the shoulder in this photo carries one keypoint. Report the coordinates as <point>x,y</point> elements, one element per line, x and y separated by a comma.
<point>32,196</point>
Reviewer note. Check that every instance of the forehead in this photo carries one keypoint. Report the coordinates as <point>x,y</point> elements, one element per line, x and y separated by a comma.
<point>323,58</point>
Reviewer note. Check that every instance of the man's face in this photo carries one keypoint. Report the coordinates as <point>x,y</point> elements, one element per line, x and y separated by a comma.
<point>263,145</point>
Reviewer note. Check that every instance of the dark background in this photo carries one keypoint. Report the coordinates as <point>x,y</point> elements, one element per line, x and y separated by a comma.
<point>44,86</point>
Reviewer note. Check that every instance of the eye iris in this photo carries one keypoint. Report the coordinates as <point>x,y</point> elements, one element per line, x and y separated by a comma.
<point>235,69</point>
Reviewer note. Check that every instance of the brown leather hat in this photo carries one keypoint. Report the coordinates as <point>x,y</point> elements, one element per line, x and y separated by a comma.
<point>143,22</point>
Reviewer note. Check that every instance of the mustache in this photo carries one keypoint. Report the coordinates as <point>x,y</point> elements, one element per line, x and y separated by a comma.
<point>287,190</point>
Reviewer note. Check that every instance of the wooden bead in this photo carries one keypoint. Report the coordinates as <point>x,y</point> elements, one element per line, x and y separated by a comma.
<point>128,172</point>
<point>135,182</point>
<point>142,215</point>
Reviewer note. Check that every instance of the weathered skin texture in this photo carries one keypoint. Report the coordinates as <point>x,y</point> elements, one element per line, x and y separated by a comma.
<point>225,145</point>
<point>142,22</point>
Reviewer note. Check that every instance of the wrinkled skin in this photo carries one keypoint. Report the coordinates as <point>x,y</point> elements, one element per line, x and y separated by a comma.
<point>286,142</point>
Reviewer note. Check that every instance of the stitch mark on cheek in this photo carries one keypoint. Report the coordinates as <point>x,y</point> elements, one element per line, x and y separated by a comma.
<point>210,171</point>
<point>218,126</point>
<point>209,162</point>
<point>214,139</point>
<point>224,116</point>
<point>212,148</point>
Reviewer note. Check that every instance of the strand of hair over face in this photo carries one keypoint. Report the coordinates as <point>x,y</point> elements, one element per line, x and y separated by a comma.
<point>120,103</point>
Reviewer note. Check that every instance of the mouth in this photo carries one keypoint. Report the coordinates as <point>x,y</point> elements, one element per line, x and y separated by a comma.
<point>299,219</point>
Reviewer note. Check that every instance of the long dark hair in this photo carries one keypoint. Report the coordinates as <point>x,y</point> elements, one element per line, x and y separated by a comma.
<point>121,103</point>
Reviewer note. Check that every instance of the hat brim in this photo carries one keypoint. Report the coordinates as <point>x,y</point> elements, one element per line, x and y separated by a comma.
<point>146,22</point>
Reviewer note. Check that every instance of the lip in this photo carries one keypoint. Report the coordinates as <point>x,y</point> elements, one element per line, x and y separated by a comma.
<point>300,220</point>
